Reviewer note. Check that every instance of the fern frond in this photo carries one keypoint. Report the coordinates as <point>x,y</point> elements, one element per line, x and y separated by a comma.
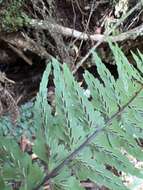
<point>82,137</point>
<point>42,109</point>
<point>90,169</point>
<point>78,112</point>
<point>17,166</point>
<point>105,117</point>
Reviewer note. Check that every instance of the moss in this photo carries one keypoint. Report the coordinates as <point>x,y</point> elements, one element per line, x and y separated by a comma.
<point>13,17</point>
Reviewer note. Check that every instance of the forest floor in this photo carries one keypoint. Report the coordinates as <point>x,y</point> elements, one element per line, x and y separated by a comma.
<point>73,28</point>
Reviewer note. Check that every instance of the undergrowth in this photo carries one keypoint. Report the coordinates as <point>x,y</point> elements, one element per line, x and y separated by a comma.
<point>77,139</point>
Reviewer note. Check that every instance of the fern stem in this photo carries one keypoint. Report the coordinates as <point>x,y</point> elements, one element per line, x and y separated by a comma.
<point>88,140</point>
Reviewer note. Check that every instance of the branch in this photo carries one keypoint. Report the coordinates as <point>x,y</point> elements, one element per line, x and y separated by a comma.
<point>90,138</point>
<point>69,32</point>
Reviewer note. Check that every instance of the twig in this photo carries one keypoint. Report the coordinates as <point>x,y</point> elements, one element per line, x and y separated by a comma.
<point>86,28</point>
<point>107,34</point>
<point>24,43</point>
<point>3,78</point>
<point>131,34</point>
<point>90,138</point>
<point>20,54</point>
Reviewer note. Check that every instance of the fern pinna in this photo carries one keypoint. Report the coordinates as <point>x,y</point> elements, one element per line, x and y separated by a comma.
<point>82,137</point>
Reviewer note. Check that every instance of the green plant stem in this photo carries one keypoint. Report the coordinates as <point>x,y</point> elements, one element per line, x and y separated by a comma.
<point>89,139</point>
